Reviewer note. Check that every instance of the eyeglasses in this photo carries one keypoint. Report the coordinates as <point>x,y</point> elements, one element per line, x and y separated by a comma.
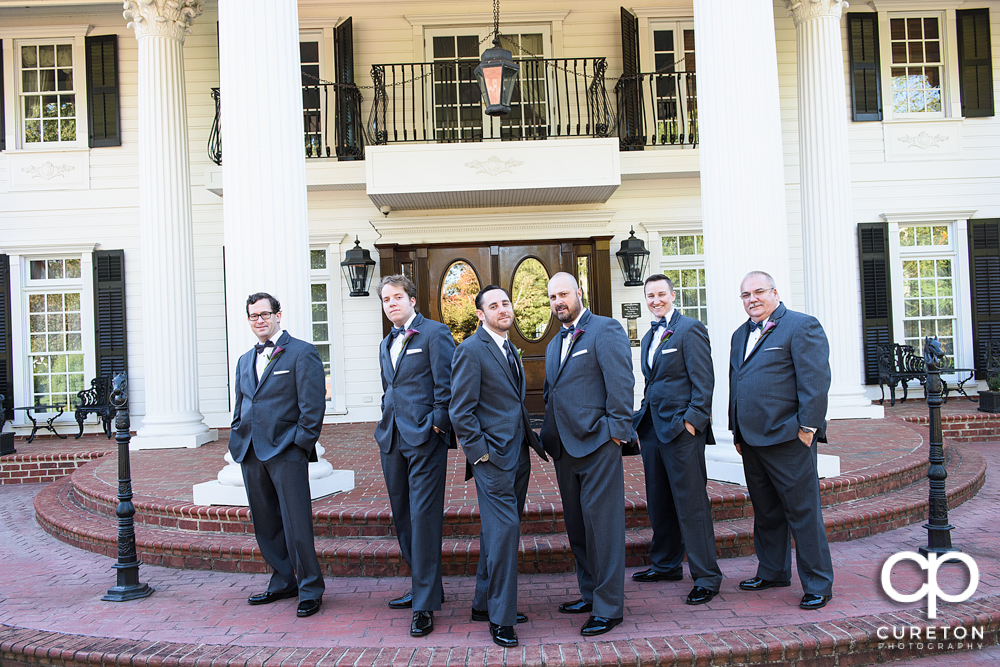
<point>264,316</point>
<point>757,293</point>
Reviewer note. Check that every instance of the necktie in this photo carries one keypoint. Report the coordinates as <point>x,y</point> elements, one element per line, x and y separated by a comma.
<point>259,347</point>
<point>396,331</point>
<point>655,324</point>
<point>567,331</point>
<point>511,359</point>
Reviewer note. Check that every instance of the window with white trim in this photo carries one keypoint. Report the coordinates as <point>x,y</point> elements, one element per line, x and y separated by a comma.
<point>916,64</point>
<point>928,281</point>
<point>53,289</point>
<point>319,298</point>
<point>682,259</point>
<point>674,85</point>
<point>47,92</point>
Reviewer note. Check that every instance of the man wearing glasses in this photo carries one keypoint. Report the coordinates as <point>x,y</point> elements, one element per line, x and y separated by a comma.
<point>280,400</point>
<point>779,379</point>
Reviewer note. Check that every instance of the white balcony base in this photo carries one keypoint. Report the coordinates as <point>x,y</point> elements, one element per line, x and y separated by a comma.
<point>217,493</point>
<point>193,441</point>
<point>724,464</point>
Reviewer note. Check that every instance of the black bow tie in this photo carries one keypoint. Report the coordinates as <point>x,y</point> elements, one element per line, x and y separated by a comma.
<point>757,325</point>
<point>396,331</point>
<point>260,347</point>
<point>658,323</point>
<point>567,331</point>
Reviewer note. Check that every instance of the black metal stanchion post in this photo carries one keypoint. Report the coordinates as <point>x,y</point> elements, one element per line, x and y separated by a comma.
<point>938,528</point>
<point>128,586</point>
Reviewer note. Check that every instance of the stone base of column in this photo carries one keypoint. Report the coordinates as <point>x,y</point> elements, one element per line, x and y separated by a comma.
<point>852,403</point>
<point>724,464</point>
<point>190,441</point>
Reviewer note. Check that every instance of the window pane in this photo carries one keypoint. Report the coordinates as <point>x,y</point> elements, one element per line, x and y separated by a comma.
<point>317,259</point>
<point>29,56</point>
<point>72,268</point>
<point>670,245</point>
<point>47,56</point>
<point>458,295</point>
<point>529,294</point>
<point>29,81</point>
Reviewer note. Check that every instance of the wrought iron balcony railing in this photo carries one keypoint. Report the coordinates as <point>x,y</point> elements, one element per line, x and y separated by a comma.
<point>657,109</point>
<point>440,102</point>
<point>331,118</point>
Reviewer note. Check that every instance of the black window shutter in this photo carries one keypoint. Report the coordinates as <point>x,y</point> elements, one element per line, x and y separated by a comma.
<point>629,88</point>
<point>6,381</point>
<point>975,63</point>
<point>109,312</point>
<point>102,91</point>
<point>876,302</point>
<point>347,108</point>
<point>984,274</point>
<point>862,44</point>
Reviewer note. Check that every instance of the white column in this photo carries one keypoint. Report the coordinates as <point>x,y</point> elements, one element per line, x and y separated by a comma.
<point>264,173</point>
<point>829,248</point>
<point>170,341</point>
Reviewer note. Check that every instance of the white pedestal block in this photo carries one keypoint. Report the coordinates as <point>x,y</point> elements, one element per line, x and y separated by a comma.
<point>191,441</point>
<point>724,464</point>
<point>228,488</point>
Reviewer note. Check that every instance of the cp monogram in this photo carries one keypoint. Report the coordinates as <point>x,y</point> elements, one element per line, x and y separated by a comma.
<point>930,590</point>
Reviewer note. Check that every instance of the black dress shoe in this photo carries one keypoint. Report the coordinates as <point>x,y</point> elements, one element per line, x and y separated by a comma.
<point>813,601</point>
<point>484,615</point>
<point>758,584</point>
<point>598,625</point>
<point>700,595</point>
<point>423,623</point>
<point>406,601</point>
<point>503,635</point>
<point>653,575</point>
<point>576,607</point>
<point>308,607</point>
<point>268,597</point>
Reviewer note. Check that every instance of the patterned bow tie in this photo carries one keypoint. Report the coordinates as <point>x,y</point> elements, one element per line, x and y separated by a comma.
<point>396,331</point>
<point>567,331</point>
<point>655,324</point>
<point>260,347</point>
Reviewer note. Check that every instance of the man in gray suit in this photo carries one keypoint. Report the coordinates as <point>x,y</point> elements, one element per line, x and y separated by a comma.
<point>492,427</point>
<point>673,424</point>
<point>779,379</point>
<point>588,395</point>
<point>280,392</point>
<point>412,436</point>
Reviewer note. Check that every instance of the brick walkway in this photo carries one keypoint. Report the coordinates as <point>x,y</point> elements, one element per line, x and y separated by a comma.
<point>51,587</point>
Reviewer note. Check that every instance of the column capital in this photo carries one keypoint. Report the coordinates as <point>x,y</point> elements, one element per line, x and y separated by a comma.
<point>164,18</point>
<point>803,10</point>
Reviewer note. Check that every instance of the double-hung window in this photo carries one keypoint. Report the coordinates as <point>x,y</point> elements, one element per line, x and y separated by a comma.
<point>48,96</point>
<point>917,65</point>
<point>682,259</point>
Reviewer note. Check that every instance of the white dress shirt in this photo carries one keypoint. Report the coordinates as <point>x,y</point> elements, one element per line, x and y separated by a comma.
<point>265,355</point>
<point>567,340</point>
<point>654,344</point>
<point>753,338</point>
<point>499,340</point>
<point>397,343</point>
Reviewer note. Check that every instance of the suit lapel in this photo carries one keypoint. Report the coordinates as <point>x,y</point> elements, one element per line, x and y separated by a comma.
<point>775,316</point>
<point>498,355</point>
<point>386,359</point>
<point>674,317</point>
<point>647,340</point>
<point>281,342</point>
<point>417,321</point>
<point>569,353</point>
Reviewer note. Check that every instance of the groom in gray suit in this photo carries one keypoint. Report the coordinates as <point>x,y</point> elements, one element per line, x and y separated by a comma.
<point>413,434</point>
<point>673,423</point>
<point>280,398</point>
<point>492,427</point>
<point>779,379</point>
<point>589,389</point>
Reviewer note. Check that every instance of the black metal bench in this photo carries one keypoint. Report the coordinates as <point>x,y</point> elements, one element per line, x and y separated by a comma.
<point>96,401</point>
<point>898,364</point>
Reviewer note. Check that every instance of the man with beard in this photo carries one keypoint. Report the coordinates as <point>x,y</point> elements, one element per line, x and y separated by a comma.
<point>588,396</point>
<point>492,427</point>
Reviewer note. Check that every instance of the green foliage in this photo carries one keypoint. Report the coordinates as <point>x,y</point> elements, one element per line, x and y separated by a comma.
<point>993,380</point>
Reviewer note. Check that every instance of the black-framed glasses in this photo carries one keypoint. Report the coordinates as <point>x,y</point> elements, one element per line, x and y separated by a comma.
<point>264,316</point>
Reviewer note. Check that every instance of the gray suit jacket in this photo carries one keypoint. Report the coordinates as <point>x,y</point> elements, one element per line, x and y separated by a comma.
<point>589,397</point>
<point>783,384</point>
<point>285,408</point>
<point>680,383</point>
<point>487,405</point>
<point>417,392</point>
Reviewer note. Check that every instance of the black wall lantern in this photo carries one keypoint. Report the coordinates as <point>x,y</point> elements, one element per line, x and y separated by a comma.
<point>359,267</point>
<point>633,258</point>
<point>497,73</point>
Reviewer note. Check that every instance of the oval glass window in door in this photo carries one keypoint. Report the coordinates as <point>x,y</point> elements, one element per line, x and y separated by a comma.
<point>458,300</point>
<point>529,293</point>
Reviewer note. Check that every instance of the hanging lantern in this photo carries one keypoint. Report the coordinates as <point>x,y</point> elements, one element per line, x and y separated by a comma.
<point>497,74</point>
<point>359,267</point>
<point>633,257</point>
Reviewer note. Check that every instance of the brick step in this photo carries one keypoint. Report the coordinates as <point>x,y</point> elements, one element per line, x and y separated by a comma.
<point>728,502</point>
<point>61,513</point>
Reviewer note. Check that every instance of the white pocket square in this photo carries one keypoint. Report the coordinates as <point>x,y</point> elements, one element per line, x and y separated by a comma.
<point>673,349</point>
<point>414,351</point>
<point>279,372</point>
<point>577,354</point>
<point>767,349</point>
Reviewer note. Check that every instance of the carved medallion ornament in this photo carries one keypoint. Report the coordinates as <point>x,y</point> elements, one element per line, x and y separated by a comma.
<point>923,141</point>
<point>162,18</point>
<point>494,166</point>
<point>47,171</point>
<point>803,10</point>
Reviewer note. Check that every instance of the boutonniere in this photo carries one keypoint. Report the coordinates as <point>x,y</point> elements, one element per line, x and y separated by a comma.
<point>407,335</point>
<point>768,328</point>
<point>519,351</point>
<point>274,355</point>
<point>665,337</point>
<point>576,334</point>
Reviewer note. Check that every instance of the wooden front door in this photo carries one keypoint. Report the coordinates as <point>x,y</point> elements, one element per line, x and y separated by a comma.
<point>448,276</point>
